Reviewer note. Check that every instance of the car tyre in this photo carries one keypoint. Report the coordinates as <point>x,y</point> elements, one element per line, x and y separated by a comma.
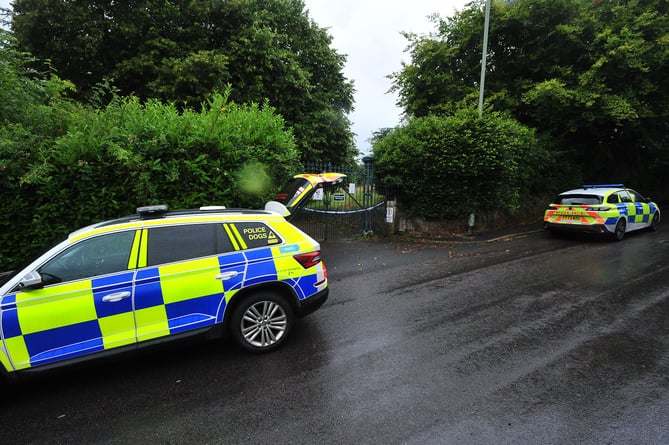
<point>654,222</point>
<point>262,322</point>
<point>619,232</point>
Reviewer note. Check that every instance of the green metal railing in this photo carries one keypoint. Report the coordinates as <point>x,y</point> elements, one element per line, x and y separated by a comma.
<point>353,208</point>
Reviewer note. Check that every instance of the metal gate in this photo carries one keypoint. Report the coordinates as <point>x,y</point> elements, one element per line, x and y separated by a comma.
<point>353,208</point>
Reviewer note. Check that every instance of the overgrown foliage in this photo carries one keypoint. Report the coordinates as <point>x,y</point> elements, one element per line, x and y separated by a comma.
<point>181,51</point>
<point>63,165</point>
<point>33,113</point>
<point>447,167</point>
<point>590,76</point>
<point>135,153</point>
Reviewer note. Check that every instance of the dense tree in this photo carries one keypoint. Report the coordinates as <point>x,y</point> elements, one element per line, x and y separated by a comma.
<point>590,75</point>
<point>56,153</point>
<point>33,113</point>
<point>183,50</point>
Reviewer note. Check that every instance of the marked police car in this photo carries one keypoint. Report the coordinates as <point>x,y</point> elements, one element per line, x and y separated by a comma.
<point>141,279</point>
<point>606,209</point>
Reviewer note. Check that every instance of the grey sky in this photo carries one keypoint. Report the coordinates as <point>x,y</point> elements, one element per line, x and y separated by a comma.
<point>368,32</point>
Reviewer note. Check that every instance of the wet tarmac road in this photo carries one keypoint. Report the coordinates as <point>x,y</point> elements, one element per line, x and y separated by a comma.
<point>527,339</point>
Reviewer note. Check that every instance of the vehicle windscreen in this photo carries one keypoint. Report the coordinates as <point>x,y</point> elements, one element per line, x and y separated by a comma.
<point>18,267</point>
<point>578,199</point>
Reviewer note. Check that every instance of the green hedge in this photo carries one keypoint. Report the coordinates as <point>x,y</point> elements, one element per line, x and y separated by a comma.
<point>130,154</point>
<point>448,167</point>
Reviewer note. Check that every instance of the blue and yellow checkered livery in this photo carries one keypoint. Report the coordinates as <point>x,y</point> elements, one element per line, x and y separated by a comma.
<point>147,301</point>
<point>608,209</point>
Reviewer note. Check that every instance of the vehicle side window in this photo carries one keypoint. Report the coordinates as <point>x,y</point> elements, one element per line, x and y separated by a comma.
<point>101,255</point>
<point>636,197</point>
<point>613,199</point>
<point>624,197</point>
<point>256,234</point>
<point>183,242</point>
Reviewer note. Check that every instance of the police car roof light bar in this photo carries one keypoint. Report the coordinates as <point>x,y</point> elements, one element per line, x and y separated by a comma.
<point>152,212</point>
<point>602,186</point>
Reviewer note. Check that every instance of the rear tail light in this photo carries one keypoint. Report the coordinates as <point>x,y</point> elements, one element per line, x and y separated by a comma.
<point>598,209</point>
<point>325,277</point>
<point>308,260</point>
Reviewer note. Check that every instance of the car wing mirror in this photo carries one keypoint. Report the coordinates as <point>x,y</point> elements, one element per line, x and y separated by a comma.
<point>32,280</point>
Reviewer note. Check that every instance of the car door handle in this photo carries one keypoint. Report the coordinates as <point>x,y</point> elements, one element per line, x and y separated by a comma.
<point>227,275</point>
<point>118,296</point>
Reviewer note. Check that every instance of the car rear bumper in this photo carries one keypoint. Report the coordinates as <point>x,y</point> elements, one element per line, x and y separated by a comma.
<point>309,305</point>
<point>581,228</point>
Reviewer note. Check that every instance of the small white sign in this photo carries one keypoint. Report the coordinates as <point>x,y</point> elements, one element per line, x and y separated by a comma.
<point>351,188</point>
<point>318,195</point>
<point>390,214</point>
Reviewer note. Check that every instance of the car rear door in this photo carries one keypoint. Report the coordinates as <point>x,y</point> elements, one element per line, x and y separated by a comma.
<point>640,211</point>
<point>181,286</point>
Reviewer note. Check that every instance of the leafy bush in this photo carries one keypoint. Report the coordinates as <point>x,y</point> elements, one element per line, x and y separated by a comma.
<point>33,114</point>
<point>130,154</point>
<point>447,167</point>
<point>63,165</point>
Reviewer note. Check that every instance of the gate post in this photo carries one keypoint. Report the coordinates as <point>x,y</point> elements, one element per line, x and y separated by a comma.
<point>368,194</point>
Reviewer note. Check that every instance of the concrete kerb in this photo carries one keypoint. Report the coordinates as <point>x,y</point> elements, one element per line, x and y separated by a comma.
<point>476,238</point>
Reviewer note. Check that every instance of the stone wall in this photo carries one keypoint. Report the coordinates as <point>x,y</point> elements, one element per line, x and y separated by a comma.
<point>483,222</point>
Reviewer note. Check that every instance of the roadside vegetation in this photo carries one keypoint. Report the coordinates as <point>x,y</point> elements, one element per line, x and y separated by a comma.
<point>444,167</point>
<point>104,108</point>
<point>64,164</point>
<point>575,93</point>
<point>182,51</point>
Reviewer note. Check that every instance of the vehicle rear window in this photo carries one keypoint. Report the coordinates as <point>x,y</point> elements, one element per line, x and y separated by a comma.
<point>578,199</point>
<point>291,191</point>
<point>177,243</point>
